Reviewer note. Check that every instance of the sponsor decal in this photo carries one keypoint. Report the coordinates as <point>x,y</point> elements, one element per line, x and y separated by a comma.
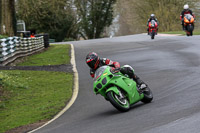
<point>105,74</point>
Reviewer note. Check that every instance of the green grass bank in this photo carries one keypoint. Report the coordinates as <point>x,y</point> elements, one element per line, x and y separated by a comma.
<point>55,55</point>
<point>196,32</point>
<point>28,97</point>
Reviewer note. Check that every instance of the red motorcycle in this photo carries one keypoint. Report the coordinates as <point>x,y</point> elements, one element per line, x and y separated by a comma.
<point>153,28</point>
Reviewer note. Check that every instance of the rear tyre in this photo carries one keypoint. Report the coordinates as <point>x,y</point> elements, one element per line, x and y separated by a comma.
<point>122,104</point>
<point>148,95</point>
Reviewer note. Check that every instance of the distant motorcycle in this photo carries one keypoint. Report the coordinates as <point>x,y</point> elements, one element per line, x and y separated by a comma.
<point>189,24</point>
<point>120,90</point>
<point>153,28</point>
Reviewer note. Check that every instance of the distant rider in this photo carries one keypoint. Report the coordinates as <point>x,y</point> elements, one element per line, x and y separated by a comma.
<point>186,10</point>
<point>94,62</point>
<point>152,17</point>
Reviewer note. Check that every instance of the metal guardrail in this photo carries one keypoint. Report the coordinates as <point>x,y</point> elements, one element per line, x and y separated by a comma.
<point>12,48</point>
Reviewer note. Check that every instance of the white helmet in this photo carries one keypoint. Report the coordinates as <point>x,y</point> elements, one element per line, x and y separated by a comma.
<point>186,6</point>
<point>152,15</point>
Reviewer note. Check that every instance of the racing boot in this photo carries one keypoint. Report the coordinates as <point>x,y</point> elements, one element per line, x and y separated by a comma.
<point>183,27</point>
<point>141,85</point>
<point>148,31</point>
<point>128,70</point>
<point>157,31</point>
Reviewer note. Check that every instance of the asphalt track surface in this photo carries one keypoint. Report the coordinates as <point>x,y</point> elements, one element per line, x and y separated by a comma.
<point>170,65</point>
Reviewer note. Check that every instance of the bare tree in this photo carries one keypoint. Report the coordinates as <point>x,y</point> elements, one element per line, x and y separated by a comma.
<point>135,13</point>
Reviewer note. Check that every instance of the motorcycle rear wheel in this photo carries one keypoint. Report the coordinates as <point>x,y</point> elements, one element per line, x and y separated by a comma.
<point>148,95</point>
<point>122,104</point>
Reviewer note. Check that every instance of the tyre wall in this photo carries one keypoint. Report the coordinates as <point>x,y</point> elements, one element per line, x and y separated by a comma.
<point>12,48</point>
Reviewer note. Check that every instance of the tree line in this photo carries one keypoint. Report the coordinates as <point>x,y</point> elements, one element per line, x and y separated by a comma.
<point>135,13</point>
<point>72,19</point>
<point>62,18</point>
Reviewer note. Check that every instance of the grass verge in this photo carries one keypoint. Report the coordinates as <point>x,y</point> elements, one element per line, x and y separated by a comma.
<point>196,32</point>
<point>30,96</point>
<point>55,55</point>
<point>3,36</point>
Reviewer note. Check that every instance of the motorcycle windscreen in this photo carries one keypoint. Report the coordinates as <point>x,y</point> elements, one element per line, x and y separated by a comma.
<point>99,72</point>
<point>153,23</point>
<point>188,17</point>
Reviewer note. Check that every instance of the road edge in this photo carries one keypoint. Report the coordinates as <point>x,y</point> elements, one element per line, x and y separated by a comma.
<point>74,94</point>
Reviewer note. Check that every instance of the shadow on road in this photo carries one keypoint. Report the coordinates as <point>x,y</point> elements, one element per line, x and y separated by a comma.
<point>112,111</point>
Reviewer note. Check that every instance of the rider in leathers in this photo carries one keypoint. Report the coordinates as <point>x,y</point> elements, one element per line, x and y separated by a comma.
<point>94,62</point>
<point>185,11</point>
<point>152,17</point>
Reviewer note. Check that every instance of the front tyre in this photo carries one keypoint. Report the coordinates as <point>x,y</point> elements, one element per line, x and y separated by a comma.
<point>119,102</point>
<point>153,34</point>
<point>148,95</point>
<point>191,33</point>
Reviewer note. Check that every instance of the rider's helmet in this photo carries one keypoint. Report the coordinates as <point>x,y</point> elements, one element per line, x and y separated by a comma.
<point>186,7</point>
<point>152,16</point>
<point>92,59</point>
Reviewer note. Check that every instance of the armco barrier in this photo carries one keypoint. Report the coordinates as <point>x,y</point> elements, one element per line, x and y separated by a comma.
<point>14,47</point>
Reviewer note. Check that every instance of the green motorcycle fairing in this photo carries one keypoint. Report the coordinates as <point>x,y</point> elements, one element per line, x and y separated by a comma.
<point>105,81</point>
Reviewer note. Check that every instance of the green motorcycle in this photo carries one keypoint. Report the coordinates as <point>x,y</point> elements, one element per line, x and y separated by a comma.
<point>119,89</point>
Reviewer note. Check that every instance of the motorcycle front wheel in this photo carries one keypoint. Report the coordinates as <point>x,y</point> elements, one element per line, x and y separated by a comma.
<point>120,103</point>
<point>191,33</point>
